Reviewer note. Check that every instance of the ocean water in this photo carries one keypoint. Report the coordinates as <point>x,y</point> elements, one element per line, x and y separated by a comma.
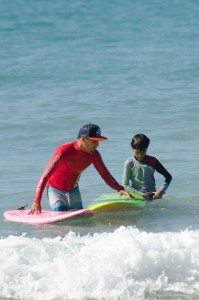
<point>130,67</point>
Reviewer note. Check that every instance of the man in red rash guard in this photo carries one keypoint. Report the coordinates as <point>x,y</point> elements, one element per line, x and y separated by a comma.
<point>64,169</point>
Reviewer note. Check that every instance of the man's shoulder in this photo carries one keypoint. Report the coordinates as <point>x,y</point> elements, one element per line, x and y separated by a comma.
<point>63,148</point>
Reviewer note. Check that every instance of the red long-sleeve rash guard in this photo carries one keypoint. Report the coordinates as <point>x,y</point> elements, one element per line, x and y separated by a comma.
<point>65,166</point>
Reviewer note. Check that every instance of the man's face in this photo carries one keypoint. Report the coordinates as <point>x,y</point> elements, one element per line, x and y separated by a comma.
<point>90,145</point>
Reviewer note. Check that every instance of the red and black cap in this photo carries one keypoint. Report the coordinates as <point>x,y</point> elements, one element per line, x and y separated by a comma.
<point>91,131</point>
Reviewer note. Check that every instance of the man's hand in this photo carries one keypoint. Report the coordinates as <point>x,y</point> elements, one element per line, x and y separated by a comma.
<point>125,193</point>
<point>36,207</point>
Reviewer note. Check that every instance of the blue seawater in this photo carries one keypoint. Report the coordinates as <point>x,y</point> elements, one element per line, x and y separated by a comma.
<point>130,66</point>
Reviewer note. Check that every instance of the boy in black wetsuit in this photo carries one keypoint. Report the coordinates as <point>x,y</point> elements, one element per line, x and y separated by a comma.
<point>138,173</point>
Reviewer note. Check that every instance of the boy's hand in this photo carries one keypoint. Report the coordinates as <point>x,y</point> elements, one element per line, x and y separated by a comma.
<point>149,196</point>
<point>36,207</point>
<point>158,195</point>
<point>125,193</point>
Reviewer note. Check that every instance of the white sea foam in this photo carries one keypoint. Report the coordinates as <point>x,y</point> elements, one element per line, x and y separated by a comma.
<point>125,264</point>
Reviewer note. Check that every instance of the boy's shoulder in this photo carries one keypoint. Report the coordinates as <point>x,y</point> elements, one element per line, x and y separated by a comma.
<point>150,160</point>
<point>128,161</point>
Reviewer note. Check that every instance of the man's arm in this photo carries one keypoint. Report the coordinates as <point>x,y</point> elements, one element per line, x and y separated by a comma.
<point>106,175</point>
<point>47,173</point>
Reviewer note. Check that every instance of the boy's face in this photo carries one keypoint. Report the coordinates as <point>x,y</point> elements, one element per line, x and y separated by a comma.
<point>139,153</point>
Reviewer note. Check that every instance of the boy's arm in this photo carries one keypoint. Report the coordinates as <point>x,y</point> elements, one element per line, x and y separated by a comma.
<point>161,170</point>
<point>126,178</point>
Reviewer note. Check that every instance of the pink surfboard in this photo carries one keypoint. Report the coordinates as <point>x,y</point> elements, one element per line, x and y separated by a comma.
<point>46,216</point>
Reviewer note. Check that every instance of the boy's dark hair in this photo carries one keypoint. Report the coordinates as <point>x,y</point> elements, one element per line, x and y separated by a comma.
<point>140,141</point>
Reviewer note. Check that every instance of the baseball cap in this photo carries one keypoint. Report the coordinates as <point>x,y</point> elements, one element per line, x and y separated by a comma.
<point>91,131</point>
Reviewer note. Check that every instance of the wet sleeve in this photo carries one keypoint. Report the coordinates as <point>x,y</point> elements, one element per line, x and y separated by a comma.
<point>126,179</point>
<point>160,169</point>
<point>105,174</point>
<point>47,173</point>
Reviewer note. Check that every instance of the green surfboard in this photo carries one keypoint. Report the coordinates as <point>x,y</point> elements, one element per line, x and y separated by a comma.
<point>114,203</point>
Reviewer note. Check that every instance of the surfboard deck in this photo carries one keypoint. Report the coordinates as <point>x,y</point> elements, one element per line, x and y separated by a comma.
<point>114,203</point>
<point>46,216</point>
